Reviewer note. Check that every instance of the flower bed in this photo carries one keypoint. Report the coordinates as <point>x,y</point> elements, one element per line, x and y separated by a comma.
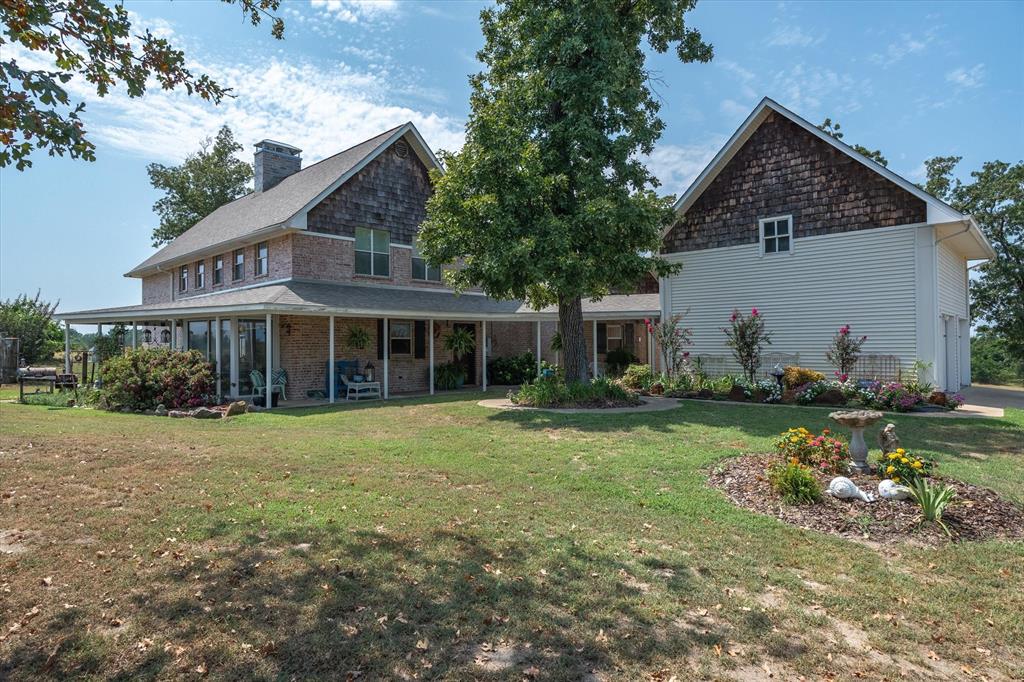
<point>553,391</point>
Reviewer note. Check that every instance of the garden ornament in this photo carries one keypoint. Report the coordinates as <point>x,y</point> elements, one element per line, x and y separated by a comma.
<point>856,421</point>
<point>891,490</point>
<point>845,489</point>
<point>888,440</point>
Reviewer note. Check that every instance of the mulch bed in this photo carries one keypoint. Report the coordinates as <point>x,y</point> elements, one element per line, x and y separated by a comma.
<point>975,514</point>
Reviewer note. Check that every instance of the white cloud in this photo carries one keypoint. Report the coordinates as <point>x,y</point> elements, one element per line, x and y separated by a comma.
<point>967,78</point>
<point>745,77</point>
<point>731,107</point>
<point>792,36</point>
<point>356,11</point>
<point>677,166</point>
<point>321,109</point>
<point>906,45</point>
<point>815,90</point>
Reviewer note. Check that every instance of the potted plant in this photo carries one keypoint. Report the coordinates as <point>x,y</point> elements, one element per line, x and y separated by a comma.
<point>449,376</point>
<point>460,342</point>
<point>358,338</point>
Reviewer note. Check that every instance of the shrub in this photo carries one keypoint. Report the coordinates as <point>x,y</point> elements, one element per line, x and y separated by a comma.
<point>895,397</point>
<point>618,359</point>
<point>512,370</point>
<point>141,379</point>
<point>933,500</point>
<point>822,452</point>
<point>671,338</point>
<point>844,351</point>
<point>554,392</point>
<point>794,482</point>
<point>903,467</point>
<point>638,377</point>
<point>954,401</point>
<point>747,336</point>
<point>448,376</point>
<point>798,376</point>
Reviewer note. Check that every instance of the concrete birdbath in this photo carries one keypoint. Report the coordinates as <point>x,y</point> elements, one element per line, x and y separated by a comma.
<point>857,421</point>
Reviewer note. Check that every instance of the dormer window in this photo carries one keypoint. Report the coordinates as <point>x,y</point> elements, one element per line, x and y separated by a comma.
<point>776,234</point>
<point>183,278</point>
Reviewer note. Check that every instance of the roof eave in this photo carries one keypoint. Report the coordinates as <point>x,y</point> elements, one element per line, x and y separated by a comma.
<point>220,247</point>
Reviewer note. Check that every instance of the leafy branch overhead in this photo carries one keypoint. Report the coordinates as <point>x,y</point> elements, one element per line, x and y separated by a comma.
<point>95,42</point>
<point>833,128</point>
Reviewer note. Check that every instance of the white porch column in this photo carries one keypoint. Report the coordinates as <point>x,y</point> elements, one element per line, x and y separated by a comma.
<point>135,334</point>
<point>270,359</point>
<point>67,348</point>
<point>387,354</point>
<point>593,329</point>
<point>233,353</point>
<point>330,356</point>
<point>430,343</point>
<point>650,350</point>
<point>216,352</point>
<point>483,357</point>
<point>538,347</point>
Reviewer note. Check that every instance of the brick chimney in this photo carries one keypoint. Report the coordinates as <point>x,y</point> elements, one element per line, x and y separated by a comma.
<point>275,161</point>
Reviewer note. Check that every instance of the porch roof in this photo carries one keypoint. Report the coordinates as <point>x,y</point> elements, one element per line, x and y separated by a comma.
<point>298,297</point>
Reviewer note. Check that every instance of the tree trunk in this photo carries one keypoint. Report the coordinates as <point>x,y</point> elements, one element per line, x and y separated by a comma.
<point>574,346</point>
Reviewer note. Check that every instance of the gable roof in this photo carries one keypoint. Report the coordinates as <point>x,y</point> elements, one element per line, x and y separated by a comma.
<point>284,205</point>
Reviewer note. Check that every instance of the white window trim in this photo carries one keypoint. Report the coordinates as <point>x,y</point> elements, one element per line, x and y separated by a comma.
<point>200,275</point>
<point>183,275</point>
<point>372,253</point>
<point>760,231</point>
<point>234,261</point>
<point>392,337</point>
<point>257,260</point>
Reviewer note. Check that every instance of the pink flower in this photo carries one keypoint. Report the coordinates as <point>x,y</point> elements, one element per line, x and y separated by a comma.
<point>734,315</point>
<point>753,312</point>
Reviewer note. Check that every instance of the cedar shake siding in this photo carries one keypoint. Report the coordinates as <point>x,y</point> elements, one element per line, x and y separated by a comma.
<point>784,170</point>
<point>390,193</point>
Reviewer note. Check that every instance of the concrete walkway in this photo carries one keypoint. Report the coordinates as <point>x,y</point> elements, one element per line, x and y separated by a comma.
<point>649,404</point>
<point>986,395</point>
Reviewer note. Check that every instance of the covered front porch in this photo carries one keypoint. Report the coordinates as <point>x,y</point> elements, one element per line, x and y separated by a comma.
<point>392,337</point>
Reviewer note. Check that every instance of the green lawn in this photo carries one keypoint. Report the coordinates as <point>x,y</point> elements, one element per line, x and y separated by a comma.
<point>435,539</point>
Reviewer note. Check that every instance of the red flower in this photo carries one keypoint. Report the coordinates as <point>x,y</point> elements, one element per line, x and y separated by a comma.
<point>753,311</point>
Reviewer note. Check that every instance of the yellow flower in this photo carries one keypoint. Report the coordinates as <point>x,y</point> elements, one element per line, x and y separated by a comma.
<point>893,455</point>
<point>895,479</point>
<point>917,464</point>
<point>904,460</point>
<point>794,460</point>
<point>900,451</point>
<point>890,469</point>
<point>794,439</point>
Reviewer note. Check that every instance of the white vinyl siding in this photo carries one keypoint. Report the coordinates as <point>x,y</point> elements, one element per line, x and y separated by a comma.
<point>865,279</point>
<point>952,273</point>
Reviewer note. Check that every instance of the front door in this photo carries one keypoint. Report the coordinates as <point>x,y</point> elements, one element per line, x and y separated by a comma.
<point>252,353</point>
<point>468,361</point>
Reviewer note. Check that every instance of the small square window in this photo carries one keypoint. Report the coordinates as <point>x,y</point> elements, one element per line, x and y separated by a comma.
<point>401,338</point>
<point>776,234</point>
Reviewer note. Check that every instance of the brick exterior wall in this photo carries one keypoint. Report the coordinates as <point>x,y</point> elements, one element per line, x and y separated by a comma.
<point>513,338</point>
<point>157,288</point>
<point>304,350</point>
<point>785,170</point>
<point>390,193</point>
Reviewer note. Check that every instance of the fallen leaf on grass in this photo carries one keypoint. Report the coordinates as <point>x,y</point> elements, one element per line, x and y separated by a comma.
<point>48,580</point>
<point>422,644</point>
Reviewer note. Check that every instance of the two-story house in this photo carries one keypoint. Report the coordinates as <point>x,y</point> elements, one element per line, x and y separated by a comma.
<point>280,278</point>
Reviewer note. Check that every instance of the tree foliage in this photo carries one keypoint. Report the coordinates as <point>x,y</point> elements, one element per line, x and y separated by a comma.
<point>206,180</point>
<point>835,130</point>
<point>96,42</point>
<point>549,200</point>
<point>31,321</point>
<point>995,198</point>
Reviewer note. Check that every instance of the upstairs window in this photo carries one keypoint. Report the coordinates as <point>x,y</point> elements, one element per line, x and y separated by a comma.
<point>262,259</point>
<point>424,271</point>
<point>200,275</point>
<point>401,338</point>
<point>183,278</point>
<point>238,269</point>
<point>777,234</point>
<point>373,252</point>
<point>218,270</point>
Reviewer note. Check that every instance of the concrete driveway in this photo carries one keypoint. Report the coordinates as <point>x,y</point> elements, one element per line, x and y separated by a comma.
<point>994,396</point>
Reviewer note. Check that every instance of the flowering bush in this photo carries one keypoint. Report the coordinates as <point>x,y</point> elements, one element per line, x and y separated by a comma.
<point>766,390</point>
<point>143,378</point>
<point>794,482</point>
<point>746,336</point>
<point>798,376</point>
<point>821,452</point>
<point>844,352</point>
<point>903,467</point>
<point>806,394</point>
<point>894,396</point>
<point>954,401</point>
<point>671,337</point>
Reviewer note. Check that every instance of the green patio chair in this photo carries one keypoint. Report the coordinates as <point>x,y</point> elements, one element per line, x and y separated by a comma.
<point>259,385</point>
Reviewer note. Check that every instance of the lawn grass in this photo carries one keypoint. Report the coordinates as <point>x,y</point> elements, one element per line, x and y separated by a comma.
<point>437,539</point>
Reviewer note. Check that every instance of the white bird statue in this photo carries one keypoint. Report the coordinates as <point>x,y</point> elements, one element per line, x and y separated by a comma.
<point>891,490</point>
<point>844,488</point>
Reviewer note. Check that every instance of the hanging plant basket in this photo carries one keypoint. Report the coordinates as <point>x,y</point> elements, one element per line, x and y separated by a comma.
<point>358,338</point>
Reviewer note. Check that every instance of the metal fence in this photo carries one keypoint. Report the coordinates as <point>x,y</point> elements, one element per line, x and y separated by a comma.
<point>878,368</point>
<point>868,367</point>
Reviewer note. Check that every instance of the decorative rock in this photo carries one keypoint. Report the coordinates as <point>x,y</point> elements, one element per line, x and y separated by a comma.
<point>236,408</point>
<point>938,398</point>
<point>657,388</point>
<point>845,489</point>
<point>832,396</point>
<point>890,490</point>
<point>888,440</point>
<point>204,413</point>
<point>856,421</point>
<point>178,414</point>
<point>160,410</point>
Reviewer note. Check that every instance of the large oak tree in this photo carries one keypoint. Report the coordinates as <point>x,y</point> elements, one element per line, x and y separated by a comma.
<point>549,200</point>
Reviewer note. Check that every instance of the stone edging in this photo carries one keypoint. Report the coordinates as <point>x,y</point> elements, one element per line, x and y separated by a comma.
<point>648,404</point>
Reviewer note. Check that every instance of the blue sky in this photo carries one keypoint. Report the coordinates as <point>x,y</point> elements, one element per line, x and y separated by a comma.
<point>914,79</point>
